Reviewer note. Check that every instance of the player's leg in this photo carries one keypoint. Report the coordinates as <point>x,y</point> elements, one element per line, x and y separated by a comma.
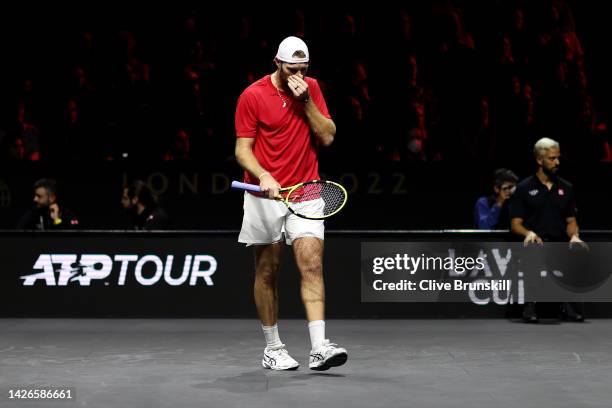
<point>265,289</point>
<point>262,227</point>
<point>306,237</point>
<point>267,265</point>
<point>308,251</point>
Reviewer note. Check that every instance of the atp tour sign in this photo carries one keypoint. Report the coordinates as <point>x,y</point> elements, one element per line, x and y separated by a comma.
<point>104,269</point>
<point>124,273</point>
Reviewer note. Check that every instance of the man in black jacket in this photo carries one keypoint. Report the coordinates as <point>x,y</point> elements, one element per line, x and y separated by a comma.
<point>48,213</point>
<point>141,204</point>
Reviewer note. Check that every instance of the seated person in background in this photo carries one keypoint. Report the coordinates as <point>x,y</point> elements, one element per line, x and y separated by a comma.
<point>491,212</point>
<point>47,214</point>
<point>141,204</point>
<point>180,148</point>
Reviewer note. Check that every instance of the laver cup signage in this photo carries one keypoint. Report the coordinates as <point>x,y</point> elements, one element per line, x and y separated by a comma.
<point>485,272</point>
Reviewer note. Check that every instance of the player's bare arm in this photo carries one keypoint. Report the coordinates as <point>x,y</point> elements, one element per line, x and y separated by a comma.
<point>248,161</point>
<point>323,128</point>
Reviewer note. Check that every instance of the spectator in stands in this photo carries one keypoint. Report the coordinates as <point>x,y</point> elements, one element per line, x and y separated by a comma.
<point>180,148</point>
<point>491,212</point>
<point>141,204</point>
<point>48,213</point>
<point>17,150</point>
<point>22,141</point>
<point>126,83</point>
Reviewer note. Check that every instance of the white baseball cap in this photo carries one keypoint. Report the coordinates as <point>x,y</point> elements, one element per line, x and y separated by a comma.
<point>288,47</point>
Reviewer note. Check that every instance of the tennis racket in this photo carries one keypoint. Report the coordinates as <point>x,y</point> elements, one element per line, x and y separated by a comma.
<point>313,200</point>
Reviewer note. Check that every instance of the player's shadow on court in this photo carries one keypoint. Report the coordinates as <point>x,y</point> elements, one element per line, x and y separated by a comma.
<point>262,381</point>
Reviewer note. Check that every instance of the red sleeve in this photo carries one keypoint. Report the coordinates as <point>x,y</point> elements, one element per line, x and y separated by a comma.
<point>246,115</point>
<point>317,97</point>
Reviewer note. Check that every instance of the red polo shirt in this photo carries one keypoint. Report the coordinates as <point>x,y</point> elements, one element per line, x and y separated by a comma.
<point>283,144</point>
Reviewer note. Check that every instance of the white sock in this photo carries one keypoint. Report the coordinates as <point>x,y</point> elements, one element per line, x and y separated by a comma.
<point>317,333</point>
<point>271,335</point>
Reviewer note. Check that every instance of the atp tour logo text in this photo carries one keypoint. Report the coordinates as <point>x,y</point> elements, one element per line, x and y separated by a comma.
<point>147,270</point>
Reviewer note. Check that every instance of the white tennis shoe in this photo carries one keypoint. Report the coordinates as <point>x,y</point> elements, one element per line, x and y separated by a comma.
<point>327,356</point>
<point>278,358</point>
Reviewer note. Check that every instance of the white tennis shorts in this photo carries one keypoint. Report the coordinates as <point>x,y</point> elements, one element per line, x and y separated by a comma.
<point>265,221</point>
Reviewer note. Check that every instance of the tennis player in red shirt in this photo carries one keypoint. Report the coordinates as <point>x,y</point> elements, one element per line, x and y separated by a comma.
<point>281,120</point>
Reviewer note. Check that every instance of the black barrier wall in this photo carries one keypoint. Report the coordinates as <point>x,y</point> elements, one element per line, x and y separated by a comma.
<point>200,274</point>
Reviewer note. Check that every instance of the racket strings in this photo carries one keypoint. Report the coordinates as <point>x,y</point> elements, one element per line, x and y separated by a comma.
<point>333,198</point>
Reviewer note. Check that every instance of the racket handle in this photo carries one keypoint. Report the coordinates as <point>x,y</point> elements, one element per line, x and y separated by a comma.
<point>246,186</point>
